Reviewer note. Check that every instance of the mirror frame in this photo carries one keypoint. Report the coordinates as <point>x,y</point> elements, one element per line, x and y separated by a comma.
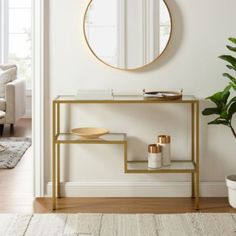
<point>127,69</point>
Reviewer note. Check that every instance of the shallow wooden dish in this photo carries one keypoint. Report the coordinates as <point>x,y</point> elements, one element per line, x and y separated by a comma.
<point>163,95</point>
<point>89,132</point>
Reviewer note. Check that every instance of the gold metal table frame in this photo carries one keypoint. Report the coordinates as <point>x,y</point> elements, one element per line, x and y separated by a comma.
<point>181,166</point>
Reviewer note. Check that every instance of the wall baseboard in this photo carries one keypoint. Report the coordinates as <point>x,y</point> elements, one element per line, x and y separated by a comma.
<point>137,189</point>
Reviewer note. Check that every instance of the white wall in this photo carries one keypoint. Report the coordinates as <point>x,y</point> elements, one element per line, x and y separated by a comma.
<point>200,31</point>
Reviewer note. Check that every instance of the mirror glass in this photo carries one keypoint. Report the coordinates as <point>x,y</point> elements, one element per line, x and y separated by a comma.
<point>127,34</point>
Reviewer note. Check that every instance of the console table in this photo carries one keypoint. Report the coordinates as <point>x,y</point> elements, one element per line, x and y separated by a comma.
<point>190,166</point>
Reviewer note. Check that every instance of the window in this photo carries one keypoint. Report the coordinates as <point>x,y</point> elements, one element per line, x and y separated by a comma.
<point>16,36</point>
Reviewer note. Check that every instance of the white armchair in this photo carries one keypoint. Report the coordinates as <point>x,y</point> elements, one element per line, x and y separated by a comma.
<point>12,101</point>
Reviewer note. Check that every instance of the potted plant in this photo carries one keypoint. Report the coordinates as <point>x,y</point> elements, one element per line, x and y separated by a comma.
<point>225,108</point>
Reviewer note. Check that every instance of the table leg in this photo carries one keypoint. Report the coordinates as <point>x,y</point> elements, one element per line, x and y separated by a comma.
<point>53,157</point>
<point>125,157</point>
<point>193,146</point>
<point>58,171</point>
<point>193,185</point>
<point>57,126</point>
<point>197,156</point>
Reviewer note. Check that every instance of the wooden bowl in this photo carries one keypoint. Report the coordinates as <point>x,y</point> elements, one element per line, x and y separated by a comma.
<point>89,132</point>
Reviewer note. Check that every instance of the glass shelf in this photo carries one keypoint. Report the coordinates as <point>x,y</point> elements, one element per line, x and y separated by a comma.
<point>121,99</point>
<point>111,138</point>
<point>175,167</point>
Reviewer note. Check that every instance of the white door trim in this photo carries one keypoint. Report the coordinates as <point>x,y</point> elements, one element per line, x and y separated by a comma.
<point>38,97</point>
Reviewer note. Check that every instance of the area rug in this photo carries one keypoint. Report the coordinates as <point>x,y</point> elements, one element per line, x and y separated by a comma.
<point>196,224</point>
<point>14,150</point>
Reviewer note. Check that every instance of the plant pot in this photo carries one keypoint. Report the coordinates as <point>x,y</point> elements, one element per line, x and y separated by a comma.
<point>231,185</point>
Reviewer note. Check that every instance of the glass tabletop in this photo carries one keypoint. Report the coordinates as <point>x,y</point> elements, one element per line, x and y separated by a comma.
<point>119,99</point>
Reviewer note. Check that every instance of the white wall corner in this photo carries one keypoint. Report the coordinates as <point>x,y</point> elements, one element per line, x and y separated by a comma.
<point>137,189</point>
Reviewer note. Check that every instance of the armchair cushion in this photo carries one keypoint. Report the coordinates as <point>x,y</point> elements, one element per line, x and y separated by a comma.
<point>7,66</point>
<point>7,74</point>
<point>15,100</point>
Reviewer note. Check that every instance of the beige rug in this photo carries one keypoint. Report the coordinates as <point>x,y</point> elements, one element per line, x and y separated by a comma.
<point>118,224</point>
<point>14,150</point>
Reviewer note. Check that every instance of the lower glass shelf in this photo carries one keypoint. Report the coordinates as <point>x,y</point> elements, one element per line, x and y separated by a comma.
<point>175,167</point>
<point>110,138</point>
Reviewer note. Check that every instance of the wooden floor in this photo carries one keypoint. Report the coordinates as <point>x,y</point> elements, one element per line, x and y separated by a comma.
<point>132,205</point>
<point>16,193</point>
<point>16,185</point>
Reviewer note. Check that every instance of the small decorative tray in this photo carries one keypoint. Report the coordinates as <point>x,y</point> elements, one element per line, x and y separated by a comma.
<point>162,95</point>
<point>89,132</point>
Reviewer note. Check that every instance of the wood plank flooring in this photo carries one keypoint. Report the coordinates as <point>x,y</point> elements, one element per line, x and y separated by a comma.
<point>16,185</point>
<point>132,205</point>
<point>16,193</point>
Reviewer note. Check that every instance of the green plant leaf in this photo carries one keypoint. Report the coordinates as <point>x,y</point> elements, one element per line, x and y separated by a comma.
<point>211,111</point>
<point>233,86</point>
<point>232,110</point>
<point>231,67</point>
<point>230,77</point>
<point>233,40</point>
<point>220,98</point>
<point>231,48</point>
<point>224,113</point>
<point>226,93</point>
<point>230,102</point>
<point>216,98</point>
<point>229,59</point>
<point>219,122</point>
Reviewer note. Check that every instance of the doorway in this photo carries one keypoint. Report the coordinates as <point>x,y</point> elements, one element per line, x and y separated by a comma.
<point>22,44</point>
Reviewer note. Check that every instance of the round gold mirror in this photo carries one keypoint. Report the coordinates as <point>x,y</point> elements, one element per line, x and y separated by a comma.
<point>127,34</point>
